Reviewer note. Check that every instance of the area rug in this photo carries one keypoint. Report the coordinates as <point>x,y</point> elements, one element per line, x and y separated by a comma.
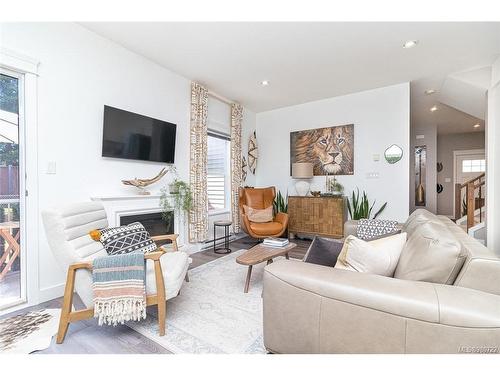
<point>28,332</point>
<point>212,314</point>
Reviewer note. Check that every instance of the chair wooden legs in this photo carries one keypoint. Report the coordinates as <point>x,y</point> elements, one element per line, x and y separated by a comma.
<point>66,307</point>
<point>160,296</point>
<point>68,316</point>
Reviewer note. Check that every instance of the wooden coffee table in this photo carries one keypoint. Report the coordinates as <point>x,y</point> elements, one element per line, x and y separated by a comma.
<point>261,253</point>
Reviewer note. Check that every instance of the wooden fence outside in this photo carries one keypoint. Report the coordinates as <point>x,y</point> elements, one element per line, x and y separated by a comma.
<point>9,182</point>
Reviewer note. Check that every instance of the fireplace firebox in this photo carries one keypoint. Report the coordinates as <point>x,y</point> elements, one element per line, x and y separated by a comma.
<point>154,223</point>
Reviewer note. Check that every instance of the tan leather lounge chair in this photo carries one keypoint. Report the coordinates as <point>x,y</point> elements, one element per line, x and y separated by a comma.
<point>261,198</point>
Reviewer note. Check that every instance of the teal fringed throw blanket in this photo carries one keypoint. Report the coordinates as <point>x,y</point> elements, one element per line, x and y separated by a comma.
<point>119,288</point>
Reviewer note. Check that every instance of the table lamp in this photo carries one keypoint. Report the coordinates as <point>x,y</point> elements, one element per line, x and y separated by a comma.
<point>302,171</point>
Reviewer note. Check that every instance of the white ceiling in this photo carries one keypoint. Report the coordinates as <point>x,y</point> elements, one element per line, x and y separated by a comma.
<point>306,61</point>
<point>448,120</point>
<point>460,100</point>
<point>310,61</point>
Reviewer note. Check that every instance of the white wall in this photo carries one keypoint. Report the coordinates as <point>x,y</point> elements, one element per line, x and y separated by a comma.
<point>380,118</point>
<point>493,161</point>
<point>79,73</point>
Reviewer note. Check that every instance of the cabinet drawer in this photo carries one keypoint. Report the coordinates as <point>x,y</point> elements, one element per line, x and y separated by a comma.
<point>317,215</point>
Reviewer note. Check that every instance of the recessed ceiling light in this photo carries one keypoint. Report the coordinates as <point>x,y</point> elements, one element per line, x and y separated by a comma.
<point>434,108</point>
<point>410,43</point>
<point>477,125</point>
<point>430,92</point>
<point>265,83</point>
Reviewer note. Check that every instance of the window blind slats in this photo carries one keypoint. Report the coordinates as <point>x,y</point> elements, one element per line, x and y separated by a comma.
<point>217,157</point>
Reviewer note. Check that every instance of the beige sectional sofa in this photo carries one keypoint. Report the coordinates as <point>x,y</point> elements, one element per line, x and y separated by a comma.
<point>444,298</point>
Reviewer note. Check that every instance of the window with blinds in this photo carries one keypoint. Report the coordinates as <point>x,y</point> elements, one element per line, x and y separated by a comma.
<point>218,171</point>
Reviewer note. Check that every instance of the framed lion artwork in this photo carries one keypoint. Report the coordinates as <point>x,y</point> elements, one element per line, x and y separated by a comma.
<point>330,150</point>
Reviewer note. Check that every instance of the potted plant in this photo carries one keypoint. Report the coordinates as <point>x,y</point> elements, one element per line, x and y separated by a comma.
<point>280,204</point>
<point>173,187</point>
<point>361,208</point>
<point>178,198</point>
<point>336,188</point>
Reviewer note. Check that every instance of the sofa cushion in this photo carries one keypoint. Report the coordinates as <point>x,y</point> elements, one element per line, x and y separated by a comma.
<point>174,266</point>
<point>417,218</point>
<point>378,257</point>
<point>266,229</point>
<point>323,251</point>
<point>431,254</point>
<point>259,216</point>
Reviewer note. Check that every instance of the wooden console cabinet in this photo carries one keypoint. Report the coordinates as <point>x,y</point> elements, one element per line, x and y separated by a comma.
<point>324,216</point>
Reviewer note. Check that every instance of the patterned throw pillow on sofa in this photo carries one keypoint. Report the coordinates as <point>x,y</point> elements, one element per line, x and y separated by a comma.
<point>125,239</point>
<point>373,229</point>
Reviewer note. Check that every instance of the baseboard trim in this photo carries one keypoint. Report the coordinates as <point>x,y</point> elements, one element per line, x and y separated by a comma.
<point>47,294</point>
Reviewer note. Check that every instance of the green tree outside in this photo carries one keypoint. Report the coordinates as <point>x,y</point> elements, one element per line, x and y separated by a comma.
<point>9,94</point>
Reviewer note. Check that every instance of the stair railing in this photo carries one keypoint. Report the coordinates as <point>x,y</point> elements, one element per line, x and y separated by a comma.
<point>472,202</point>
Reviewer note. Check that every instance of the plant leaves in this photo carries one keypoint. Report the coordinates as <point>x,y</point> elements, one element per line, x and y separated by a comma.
<point>361,208</point>
<point>380,210</point>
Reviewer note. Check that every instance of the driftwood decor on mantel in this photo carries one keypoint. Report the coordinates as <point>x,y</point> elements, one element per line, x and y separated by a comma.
<point>140,183</point>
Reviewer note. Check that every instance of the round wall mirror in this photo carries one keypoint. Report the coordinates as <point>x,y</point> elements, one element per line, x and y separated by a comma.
<point>393,154</point>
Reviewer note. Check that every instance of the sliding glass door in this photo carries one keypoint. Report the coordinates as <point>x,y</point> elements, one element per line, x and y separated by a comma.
<point>12,278</point>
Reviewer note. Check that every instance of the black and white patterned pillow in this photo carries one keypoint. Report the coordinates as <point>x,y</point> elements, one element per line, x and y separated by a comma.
<point>369,229</point>
<point>127,239</point>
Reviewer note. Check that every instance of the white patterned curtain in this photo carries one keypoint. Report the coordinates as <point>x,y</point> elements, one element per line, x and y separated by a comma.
<point>198,215</point>
<point>236,117</point>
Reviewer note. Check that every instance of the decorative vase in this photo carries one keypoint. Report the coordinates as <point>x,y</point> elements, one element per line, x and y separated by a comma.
<point>302,188</point>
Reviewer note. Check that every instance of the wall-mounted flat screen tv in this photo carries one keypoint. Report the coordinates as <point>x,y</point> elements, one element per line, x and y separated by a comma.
<point>128,135</point>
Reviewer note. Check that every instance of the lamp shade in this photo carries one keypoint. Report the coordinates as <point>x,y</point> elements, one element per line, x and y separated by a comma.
<point>302,170</point>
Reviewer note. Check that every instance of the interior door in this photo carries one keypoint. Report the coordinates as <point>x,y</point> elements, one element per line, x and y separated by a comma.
<point>468,165</point>
<point>12,275</point>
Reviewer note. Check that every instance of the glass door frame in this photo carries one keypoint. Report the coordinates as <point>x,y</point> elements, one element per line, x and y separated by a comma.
<point>22,188</point>
<point>16,63</point>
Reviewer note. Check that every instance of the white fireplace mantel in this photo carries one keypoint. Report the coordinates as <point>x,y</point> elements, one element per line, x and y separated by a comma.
<point>106,198</point>
<point>125,205</point>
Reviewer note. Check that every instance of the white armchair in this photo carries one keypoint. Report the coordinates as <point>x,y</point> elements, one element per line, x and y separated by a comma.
<point>67,229</point>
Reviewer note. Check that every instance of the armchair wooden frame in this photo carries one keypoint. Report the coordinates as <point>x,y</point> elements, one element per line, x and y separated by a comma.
<point>68,316</point>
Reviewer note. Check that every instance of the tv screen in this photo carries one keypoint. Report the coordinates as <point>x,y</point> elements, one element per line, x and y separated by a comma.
<point>127,135</point>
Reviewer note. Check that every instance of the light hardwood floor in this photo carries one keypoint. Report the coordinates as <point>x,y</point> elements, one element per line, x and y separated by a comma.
<point>86,337</point>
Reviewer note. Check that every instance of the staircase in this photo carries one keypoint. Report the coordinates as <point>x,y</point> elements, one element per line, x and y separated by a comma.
<point>469,205</point>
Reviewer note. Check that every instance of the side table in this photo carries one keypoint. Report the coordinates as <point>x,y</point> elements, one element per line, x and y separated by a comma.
<point>226,224</point>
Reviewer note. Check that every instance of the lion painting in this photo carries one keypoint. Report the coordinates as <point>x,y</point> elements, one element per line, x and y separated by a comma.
<point>331,150</point>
